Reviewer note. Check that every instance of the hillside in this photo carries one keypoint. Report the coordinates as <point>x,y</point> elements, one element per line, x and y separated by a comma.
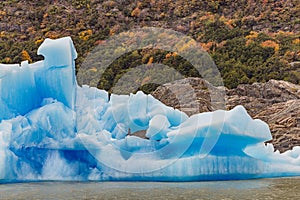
<point>250,41</point>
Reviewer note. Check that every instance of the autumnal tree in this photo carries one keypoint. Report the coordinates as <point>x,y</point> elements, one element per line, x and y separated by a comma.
<point>270,44</point>
<point>26,56</point>
<point>136,12</point>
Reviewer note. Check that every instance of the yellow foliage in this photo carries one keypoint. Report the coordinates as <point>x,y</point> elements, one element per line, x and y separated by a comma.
<point>252,35</point>
<point>90,32</point>
<point>286,33</point>
<point>85,35</point>
<point>26,56</point>
<point>39,41</point>
<point>271,44</point>
<point>2,13</point>
<point>2,34</point>
<point>183,46</point>
<point>223,18</point>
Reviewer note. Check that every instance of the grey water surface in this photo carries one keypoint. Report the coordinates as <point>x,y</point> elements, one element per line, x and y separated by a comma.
<point>279,188</point>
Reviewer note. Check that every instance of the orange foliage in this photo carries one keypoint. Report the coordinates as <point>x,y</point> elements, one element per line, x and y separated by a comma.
<point>227,22</point>
<point>271,44</point>
<point>31,30</point>
<point>26,56</point>
<point>296,41</point>
<point>7,60</point>
<point>230,23</point>
<point>169,55</point>
<point>45,15</point>
<point>207,16</point>
<point>52,35</point>
<point>150,61</point>
<point>207,46</point>
<point>285,33</point>
<point>111,32</point>
<point>136,12</point>
<point>248,42</point>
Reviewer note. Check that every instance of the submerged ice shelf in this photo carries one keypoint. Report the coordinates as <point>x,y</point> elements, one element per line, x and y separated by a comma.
<point>53,129</point>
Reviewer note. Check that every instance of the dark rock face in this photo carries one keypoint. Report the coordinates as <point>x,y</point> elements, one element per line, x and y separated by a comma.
<point>259,96</point>
<point>275,102</point>
<point>284,122</point>
<point>190,95</point>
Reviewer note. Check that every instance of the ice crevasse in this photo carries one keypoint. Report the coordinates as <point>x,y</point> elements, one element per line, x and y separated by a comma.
<point>53,129</point>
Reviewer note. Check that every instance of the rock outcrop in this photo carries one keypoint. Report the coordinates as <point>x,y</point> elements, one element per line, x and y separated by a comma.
<point>275,102</point>
<point>259,96</point>
<point>190,95</point>
<point>284,122</point>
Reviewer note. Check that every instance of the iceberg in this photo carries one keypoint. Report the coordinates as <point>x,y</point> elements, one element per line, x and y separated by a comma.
<point>53,129</point>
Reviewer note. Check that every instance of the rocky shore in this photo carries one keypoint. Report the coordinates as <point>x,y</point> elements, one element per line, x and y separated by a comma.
<point>275,102</point>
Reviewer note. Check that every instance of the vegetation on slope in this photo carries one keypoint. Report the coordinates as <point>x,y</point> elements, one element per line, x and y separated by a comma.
<point>250,41</point>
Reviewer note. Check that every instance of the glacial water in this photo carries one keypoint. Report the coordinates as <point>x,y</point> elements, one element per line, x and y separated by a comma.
<point>262,189</point>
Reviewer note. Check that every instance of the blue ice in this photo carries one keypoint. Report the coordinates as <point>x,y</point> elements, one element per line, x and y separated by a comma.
<point>53,129</point>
